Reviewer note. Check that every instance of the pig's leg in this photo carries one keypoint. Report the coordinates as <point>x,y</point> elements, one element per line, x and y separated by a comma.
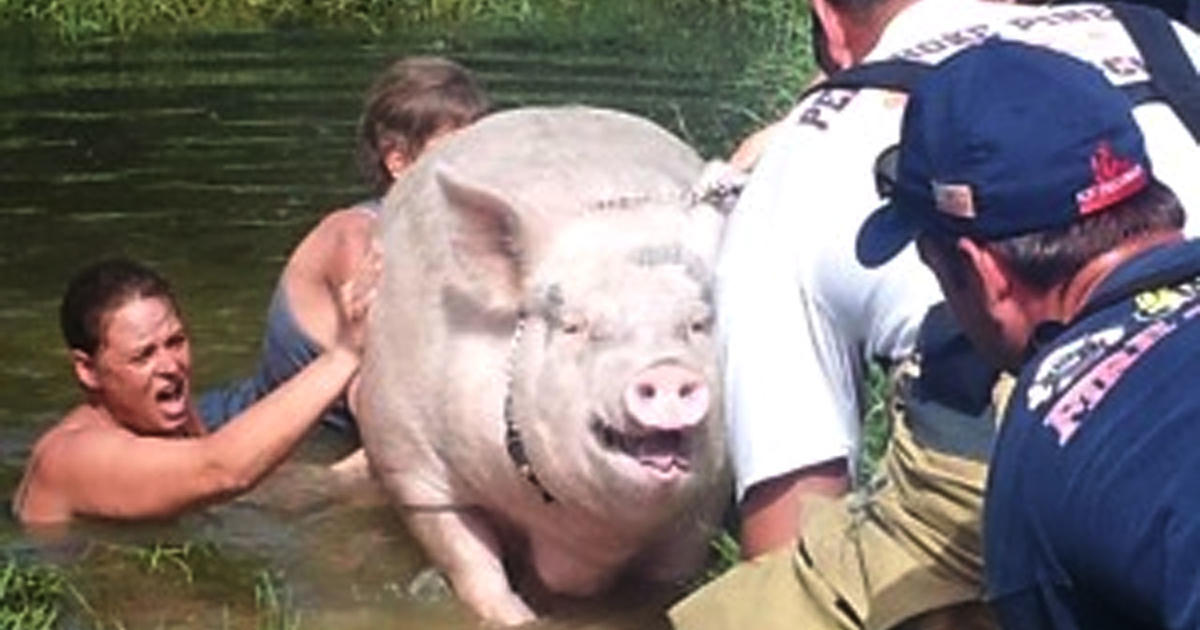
<point>463,544</point>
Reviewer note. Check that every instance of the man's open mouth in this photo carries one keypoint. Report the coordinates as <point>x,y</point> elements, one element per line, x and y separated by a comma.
<point>172,399</point>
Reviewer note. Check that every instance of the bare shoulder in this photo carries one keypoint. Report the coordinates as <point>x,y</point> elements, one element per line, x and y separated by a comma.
<point>348,223</point>
<point>58,457</point>
<point>68,444</point>
<point>334,247</point>
<point>344,241</point>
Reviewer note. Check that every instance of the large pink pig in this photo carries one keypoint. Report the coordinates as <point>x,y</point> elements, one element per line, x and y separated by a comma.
<point>540,382</point>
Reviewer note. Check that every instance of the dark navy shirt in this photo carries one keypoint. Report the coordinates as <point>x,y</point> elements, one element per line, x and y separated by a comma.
<point>1092,518</point>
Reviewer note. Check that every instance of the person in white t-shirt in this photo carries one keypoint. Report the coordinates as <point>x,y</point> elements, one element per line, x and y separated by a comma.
<point>799,319</point>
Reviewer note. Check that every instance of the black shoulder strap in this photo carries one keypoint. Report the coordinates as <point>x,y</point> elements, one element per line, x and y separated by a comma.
<point>890,74</point>
<point>1173,78</point>
<point>1171,72</point>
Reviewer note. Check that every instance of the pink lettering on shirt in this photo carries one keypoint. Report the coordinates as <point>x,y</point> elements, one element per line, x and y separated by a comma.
<point>1067,414</point>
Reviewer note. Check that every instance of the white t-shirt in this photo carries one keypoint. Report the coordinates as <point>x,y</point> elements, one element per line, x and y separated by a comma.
<point>798,316</point>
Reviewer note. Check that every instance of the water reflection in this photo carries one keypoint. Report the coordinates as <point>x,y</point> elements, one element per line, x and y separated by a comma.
<point>209,159</point>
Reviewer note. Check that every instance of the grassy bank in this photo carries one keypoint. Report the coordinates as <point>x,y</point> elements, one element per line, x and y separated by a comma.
<point>75,20</point>
<point>760,46</point>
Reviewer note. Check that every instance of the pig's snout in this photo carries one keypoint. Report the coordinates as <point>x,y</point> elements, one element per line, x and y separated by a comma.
<point>667,397</point>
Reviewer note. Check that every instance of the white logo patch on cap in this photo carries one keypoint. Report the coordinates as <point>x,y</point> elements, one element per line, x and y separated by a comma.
<point>954,199</point>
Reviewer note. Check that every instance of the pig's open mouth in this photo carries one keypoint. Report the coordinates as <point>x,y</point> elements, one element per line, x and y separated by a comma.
<point>665,451</point>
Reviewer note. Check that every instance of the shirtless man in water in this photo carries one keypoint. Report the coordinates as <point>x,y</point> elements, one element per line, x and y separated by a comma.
<point>135,448</point>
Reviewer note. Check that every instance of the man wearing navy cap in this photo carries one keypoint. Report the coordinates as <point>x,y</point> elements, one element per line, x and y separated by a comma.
<point>1060,253</point>
<point>799,317</point>
<point>800,320</point>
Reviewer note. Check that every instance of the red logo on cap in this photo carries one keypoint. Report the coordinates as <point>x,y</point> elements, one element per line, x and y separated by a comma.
<point>1114,179</point>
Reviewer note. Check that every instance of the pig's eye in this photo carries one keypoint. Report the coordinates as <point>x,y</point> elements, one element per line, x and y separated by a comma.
<point>700,325</point>
<point>573,325</point>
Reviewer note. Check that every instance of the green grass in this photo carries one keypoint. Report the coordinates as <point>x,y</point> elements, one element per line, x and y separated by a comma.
<point>725,552</point>
<point>31,595</point>
<point>78,20</point>
<point>185,579</point>
<point>876,430</point>
<point>273,601</point>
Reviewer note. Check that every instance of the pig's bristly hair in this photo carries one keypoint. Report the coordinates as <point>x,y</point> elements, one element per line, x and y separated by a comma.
<point>683,199</point>
<point>719,186</point>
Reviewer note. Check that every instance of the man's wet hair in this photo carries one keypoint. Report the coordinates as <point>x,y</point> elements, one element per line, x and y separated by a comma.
<point>1044,259</point>
<point>101,288</point>
<point>413,100</point>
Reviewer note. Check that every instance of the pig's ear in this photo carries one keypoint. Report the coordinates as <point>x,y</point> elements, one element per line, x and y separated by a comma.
<point>484,240</point>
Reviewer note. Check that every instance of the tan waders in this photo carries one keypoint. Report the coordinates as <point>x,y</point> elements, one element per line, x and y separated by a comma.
<point>903,552</point>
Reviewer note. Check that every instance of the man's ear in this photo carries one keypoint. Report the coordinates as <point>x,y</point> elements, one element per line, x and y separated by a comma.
<point>989,271</point>
<point>835,34</point>
<point>395,162</point>
<point>85,369</point>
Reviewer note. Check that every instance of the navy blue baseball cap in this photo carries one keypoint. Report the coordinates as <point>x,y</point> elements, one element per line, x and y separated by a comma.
<point>1004,139</point>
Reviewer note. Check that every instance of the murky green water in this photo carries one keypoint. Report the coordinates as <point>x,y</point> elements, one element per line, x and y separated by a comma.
<point>209,159</point>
